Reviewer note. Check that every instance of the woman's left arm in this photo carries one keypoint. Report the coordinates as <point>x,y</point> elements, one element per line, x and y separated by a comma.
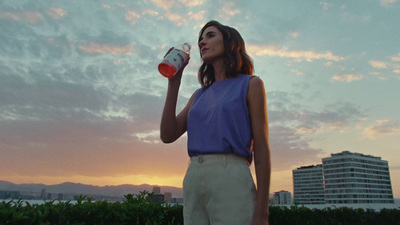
<point>257,105</point>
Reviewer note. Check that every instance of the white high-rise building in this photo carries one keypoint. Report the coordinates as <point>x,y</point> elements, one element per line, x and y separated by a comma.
<point>344,178</point>
<point>308,185</point>
<point>356,178</point>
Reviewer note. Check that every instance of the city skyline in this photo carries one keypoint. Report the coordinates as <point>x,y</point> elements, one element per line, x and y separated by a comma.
<point>81,97</point>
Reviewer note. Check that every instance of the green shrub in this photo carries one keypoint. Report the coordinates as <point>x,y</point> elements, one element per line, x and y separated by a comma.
<point>296,215</point>
<point>139,209</point>
<point>142,209</point>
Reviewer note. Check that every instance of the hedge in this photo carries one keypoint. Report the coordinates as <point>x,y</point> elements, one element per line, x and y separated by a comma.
<point>142,209</point>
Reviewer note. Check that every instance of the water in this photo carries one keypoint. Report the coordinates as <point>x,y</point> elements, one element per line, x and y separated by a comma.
<point>38,202</point>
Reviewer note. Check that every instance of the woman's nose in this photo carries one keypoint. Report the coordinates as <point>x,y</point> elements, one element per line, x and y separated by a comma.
<point>201,43</point>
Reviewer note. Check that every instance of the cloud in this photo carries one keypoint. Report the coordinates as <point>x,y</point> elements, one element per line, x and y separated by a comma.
<point>132,17</point>
<point>290,149</point>
<point>168,4</point>
<point>381,127</point>
<point>298,72</point>
<point>90,117</point>
<point>347,77</point>
<point>378,64</point>
<point>396,58</point>
<point>177,19</point>
<point>57,13</point>
<point>229,10</point>
<point>393,65</point>
<point>149,137</point>
<point>164,4</point>
<point>298,55</point>
<point>387,2</point>
<point>350,16</point>
<point>284,111</point>
<point>197,16</point>
<point>330,64</point>
<point>150,12</point>
<point>88,149</point>
<point>293,127</point>
<point>294,34</point>
<point>78,129</point>
<point>31,17</point>
<point>95,48</point>
<point>325,5</point>
<point>192,3</point>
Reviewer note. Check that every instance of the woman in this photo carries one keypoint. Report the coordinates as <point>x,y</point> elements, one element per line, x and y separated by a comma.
<point>227,123</point>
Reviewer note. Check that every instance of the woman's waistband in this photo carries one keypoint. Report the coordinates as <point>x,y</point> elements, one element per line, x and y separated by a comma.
<point>217,159</point>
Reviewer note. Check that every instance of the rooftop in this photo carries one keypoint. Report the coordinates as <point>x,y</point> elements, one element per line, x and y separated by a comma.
<point>355,154</point>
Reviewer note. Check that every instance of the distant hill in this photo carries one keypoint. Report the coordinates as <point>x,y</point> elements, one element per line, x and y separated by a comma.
<point>84,189</point>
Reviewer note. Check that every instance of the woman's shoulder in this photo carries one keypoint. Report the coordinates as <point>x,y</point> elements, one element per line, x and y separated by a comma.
<point>256,86</point>
<point>255,81</point>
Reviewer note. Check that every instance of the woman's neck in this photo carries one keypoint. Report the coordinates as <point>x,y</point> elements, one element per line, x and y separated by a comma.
<point>219,70</point>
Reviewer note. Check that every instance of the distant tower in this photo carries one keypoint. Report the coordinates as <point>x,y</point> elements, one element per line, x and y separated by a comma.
<point>168,197</point>
<point>43,194</point>
<point>156,190</point>
<point>282,198</point>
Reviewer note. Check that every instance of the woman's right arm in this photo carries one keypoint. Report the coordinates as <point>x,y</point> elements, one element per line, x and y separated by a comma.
<point>172,126</point>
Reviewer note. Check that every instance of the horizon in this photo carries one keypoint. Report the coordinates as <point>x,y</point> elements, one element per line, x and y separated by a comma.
<point>81,97</point>
<point>291,193</point>
<point>67,182</point>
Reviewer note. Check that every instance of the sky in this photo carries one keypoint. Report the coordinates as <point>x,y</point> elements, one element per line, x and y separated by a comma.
<point>81,97</point>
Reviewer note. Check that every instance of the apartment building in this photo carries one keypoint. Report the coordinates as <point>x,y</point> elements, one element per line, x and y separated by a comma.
<point>344,178</point>
<point>356,178</point>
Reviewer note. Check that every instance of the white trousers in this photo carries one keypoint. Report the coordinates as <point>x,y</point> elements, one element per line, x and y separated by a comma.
<point>218,190</point>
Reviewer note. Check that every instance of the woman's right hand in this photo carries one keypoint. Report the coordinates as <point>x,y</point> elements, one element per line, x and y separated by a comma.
<point>178,74</point>
<point>172,125</point>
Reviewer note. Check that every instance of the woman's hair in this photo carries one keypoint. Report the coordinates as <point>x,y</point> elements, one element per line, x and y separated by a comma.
<point>236,60</point>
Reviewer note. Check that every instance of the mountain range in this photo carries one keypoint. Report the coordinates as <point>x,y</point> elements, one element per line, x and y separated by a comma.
<point>84,189</point>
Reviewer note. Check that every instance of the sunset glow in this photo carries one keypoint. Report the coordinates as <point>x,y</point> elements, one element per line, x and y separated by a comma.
<point>81,97</point>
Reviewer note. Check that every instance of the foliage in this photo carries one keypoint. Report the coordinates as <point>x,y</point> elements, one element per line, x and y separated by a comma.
<point>142,209</point>
<point>296,215</point>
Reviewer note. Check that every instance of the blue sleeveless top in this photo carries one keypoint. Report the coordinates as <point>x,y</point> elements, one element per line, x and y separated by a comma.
<point>218,120</point>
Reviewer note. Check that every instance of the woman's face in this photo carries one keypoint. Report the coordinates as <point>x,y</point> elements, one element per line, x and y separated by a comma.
<point>211,45</point>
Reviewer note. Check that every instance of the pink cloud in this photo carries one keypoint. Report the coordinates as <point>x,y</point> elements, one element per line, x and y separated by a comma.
<point>132,17</point>
<point>57,13</point>
<point>378,64</point>
<point>284,52</point>
<point>96,48</point>
<point>347,77</point>
<point>31,17</point>
<point>381,127</point>
<point>387,2</point>
<point>396,58</point>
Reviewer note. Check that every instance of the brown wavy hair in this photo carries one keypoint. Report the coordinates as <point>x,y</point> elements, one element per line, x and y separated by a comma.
<point>236,59</point>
